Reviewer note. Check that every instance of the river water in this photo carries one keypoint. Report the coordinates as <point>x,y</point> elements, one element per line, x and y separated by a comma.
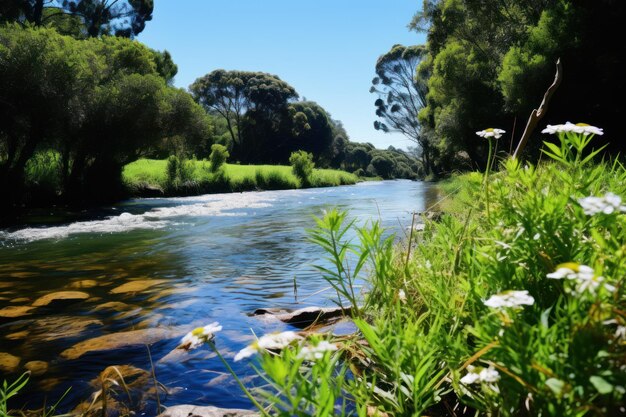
<point>145,271</point>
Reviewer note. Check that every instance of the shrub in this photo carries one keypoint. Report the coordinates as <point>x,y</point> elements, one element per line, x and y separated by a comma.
<point>302,166</point>
<point>219,155</point>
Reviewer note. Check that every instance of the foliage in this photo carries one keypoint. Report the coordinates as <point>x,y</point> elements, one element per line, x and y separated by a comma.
<point>490,62</point>
<point>9,390</point>
<point>219,155</point>
<point>401,96</point>
<point>435,332</point>
<point>98,103</point>
<point>302,166</point>
<point>125,18</point>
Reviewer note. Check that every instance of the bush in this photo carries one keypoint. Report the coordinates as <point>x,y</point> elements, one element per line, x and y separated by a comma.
<point>179,170</point>
<point>219,155</point>
<point>302,166</point>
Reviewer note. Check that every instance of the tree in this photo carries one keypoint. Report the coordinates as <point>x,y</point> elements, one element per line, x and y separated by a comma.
<point>256,99</point>
<point>401,96</point>
<point>125,18</point>
<point>97,104</point>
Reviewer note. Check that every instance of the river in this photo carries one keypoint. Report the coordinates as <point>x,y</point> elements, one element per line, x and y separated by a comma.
<point>150,268</point>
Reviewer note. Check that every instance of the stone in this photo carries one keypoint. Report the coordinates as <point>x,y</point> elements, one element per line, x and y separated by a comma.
<point>36,367</point>
<point>20,300</point>
<point>12,312</point>
<point>53,328</point>
<point>8,362</point>
<point>85,283</point>
<point>60,298</point>
<point>308,316</point>
<point>188,410</point>
<point>17,335</point>
<point>120,340</point>
<point>137,286</point>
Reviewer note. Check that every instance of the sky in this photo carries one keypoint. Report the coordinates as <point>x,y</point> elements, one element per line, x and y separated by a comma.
<point>325,49</point>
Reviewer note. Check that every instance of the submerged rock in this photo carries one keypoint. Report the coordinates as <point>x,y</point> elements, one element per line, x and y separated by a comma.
<point>60,298</point>
<point>187,410</point>
<point>137,286</point>
<point>8,362</point>
<point>12,312</point>
<point>308,316</point>
<point>36,367</point>
<point>123,339</point>
<point>85,283</point>
<point>52,328</point>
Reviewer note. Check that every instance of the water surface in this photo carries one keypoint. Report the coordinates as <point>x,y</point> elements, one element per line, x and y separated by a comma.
<point>192,260</point>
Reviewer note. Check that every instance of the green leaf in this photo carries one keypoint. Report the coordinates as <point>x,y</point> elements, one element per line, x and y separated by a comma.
<point>601,384</point>
<point>556,385</point>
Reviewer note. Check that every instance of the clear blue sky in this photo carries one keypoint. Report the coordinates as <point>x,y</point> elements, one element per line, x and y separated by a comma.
<point>325,49</point>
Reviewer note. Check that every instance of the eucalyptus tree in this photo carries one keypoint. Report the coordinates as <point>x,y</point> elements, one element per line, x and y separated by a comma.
<point>402,95</point>
<point>125,18</point>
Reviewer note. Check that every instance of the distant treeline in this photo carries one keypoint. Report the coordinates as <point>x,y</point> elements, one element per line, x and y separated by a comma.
<point>75,108</point>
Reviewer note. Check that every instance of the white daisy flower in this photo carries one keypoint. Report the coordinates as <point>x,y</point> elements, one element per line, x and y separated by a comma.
<point>311,353</point>
<point>510,299</point>
<point>608,204</point>
<point>581,128</point>
<point>274,341</point>
<point>491,133</point>
<point>199,336</point>
<point>478,374</point>
<point>572,270</point>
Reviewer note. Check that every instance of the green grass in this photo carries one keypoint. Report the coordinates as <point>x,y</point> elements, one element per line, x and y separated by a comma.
<point>146,174</point>
<point>440,329</point>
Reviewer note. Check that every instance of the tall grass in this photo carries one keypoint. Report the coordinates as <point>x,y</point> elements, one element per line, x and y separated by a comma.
<point>517,313</point>
<point>146,174</point>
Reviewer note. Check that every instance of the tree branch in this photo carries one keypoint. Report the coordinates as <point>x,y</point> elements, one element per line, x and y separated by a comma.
<point>537,114</point>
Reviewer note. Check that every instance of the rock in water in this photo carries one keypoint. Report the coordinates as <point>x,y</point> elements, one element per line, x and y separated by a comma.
<point>137,286</point>
<point>12,312</point>
<point>60,298</point>
<point>36,367</point>
<point>308,316</point>
<point>8,362</point>
<point>187,410</point>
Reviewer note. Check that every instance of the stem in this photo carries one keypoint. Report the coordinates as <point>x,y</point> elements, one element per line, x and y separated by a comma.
<point>243,388</point>
<point>486,182</point>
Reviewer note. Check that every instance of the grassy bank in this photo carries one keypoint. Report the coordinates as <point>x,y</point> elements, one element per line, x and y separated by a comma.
<point>150,175</point>
<point>512,304</point>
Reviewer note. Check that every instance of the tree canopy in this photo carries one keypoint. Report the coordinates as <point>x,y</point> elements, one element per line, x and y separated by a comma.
<point>401,96</point>
<point>125,18</point>
<point>489,62</point>
<point>95,104</point>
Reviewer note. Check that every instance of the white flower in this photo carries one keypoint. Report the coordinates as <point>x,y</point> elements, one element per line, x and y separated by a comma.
<point>491,133</point>
<point>508,299</point>
<point>583,276</point>
<point>620,333</point>
<point>199,335</point>
<point>572,270</point>
<point>402,296</point>
<point>481,375</point>
<point>274,341</point>
<point>607,204</point>
<point>311,353</point>
<point>581,128</point>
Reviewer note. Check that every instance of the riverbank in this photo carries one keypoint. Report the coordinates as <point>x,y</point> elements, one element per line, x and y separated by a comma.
<point>511,303</point>
<point>148,178</point>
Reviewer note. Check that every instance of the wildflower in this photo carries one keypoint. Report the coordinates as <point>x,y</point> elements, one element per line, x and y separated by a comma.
<point>491,133</point>
<point>402,296</point>
<point>607,204</point>
<point>199,335</point>
<point>479,375</point>
<point>583,276</point>
<point>581,128</point>
<point>311,353</point>
<point>274,341</point>
<point>510,299</point>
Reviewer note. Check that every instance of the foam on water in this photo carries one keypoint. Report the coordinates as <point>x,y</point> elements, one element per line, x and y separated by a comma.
<point>157,218</point>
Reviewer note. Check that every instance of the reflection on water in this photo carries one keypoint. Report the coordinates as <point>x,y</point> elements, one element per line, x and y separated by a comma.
<point>105,288</point>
